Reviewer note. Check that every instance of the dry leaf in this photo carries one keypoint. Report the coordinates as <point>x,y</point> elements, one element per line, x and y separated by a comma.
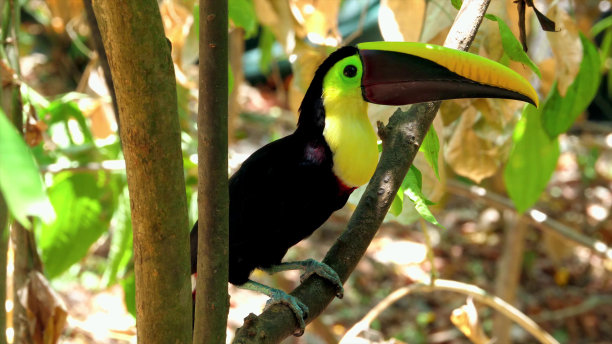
<point>62,11</point>
<point>177,21</point>
<point>34,130</point>
<point>468,154</point>
<point>465,318</point>
<point>276,15</point>
<point>306,61</point>
<point>401,20</point>
<point>437,20</point>
<point>46,310</point>
<point>566,47</point>
<point>317,20</point>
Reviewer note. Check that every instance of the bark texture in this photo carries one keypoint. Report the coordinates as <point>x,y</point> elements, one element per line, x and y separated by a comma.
<point>212,300</point>
<point>143,74</point>
<point>401,138</point>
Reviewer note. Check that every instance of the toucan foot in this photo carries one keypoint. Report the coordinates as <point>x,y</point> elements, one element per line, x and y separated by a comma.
<point>300,310</point>
<point>311,266</point>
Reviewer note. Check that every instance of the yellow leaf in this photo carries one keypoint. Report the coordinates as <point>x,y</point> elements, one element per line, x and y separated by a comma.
<point>468,154</point>
<point>465,318</point>
<point>401,20</point>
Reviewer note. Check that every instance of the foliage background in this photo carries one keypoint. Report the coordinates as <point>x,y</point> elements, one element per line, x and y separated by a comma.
<point>557,156</point>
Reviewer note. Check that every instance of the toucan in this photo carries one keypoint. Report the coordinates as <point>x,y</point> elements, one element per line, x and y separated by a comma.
<point>285,190</point>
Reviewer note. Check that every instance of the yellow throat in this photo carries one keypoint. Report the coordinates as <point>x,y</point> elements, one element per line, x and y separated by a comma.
<point>350,137</point>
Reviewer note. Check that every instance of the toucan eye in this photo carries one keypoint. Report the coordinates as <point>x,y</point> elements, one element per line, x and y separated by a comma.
<point>350,71</point>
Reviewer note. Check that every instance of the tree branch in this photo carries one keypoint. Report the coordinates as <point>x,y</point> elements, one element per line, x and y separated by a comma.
<point>402,138</point>
<point>446,285</point>
<point>212,300</point>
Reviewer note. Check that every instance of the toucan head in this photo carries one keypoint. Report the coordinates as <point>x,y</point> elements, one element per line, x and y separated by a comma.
<point>392,73</point>
<point>401,73</point>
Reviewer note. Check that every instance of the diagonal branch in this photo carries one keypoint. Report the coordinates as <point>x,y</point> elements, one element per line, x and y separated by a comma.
<point>402,138</point>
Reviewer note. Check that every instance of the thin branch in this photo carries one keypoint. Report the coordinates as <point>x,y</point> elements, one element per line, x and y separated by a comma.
<point>402,138</point>
<point>212,300</point>
<point>463,288</point>
<point>533,216</point>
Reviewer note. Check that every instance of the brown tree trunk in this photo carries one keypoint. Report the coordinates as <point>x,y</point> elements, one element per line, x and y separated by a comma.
<point>143,74</point>
<point>212,301</point>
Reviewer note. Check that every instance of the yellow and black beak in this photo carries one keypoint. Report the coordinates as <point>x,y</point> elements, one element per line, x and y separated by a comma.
<point>435,73</point>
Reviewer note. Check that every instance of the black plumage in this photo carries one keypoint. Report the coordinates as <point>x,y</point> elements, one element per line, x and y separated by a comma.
<point>284,191</point>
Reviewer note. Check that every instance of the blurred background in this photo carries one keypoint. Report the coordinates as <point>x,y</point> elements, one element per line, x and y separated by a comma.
<point>85,255</point>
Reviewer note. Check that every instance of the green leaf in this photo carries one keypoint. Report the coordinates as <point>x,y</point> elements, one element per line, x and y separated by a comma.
<point>457,3</point>
<point>559,113</point>
<point>600,26</point>
<point>412,185</point>
<point>398,204</point>
<point>242,13</point>
<point>266,42</point>
<point>129,294</point>
<point>230,79</point>
<point>20,180</point>
<point>120,252</point>
<point>512,47</point>
<point>65,108</point>
<point>431,148</point>
<point>81,219</point>
<point>532,160</point>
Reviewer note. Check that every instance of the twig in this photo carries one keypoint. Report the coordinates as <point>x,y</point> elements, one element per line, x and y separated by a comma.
<point>533,216</point>
<point>591,303</point>
<point>403,136</point>
<point>463,288</point>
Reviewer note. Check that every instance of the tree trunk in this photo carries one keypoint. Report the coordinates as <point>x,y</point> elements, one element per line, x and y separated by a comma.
<point>3,260</point>
<point>212,301</point>
<point>143,75</point>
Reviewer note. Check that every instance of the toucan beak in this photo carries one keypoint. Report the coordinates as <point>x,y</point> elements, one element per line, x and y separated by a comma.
<point>400,73</point>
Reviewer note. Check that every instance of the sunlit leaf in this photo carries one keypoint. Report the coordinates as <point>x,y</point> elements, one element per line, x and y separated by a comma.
<point>566,48</point>
<point>81,219</point>
<point>559,113</point>
<point>20,180</point>
<point>430,148</point>
<point>412,185</point>
<point>532,160</point>
<point>401,20</point>
<point>457,3</point>
<point>317,20</point>
<point>512,46</point>
<point>242,14</point>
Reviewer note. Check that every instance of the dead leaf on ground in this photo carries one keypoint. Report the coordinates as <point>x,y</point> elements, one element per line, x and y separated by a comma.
<point>46,310</point>
<point>566,48</point>
<point>401,20</point>
<point>465,318</point>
